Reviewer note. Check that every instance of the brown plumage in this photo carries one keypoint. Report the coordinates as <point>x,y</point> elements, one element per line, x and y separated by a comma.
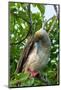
<point>26,52</point>
<point>35,54</point>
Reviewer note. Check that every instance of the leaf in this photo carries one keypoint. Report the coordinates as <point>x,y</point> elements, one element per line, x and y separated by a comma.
<point>37,19</point>
<point>22,76</point>
<point>41,8</point>
<point>12,82</point>
<point>28,82</point>
<point>37,82</point>
<point>23,15</point>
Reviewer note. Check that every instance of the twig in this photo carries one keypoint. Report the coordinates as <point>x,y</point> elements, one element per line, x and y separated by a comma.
<point>57,17</point>
<point>57,11</point>
<point>52,25</point>
<point>30,18</point>
<point>50,19</point>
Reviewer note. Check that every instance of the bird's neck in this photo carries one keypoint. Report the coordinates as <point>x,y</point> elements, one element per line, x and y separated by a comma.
<point>39,46</point>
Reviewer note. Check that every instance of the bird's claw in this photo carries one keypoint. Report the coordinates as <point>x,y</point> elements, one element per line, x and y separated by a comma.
<point>33,72</point>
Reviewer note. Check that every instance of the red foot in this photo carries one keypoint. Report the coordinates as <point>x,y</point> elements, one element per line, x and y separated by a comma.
<point>33,72</point>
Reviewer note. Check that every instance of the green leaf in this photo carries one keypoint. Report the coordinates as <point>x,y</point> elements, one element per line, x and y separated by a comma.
<point>37,82</point>
<point>22,76</point>
<point>28,82</point>
<point>41,8</point>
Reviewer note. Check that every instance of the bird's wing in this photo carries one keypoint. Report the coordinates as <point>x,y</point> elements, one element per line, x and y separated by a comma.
<point>26,52</point>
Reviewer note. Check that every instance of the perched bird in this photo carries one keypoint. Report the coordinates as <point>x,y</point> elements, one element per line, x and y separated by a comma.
<point>35,54</point>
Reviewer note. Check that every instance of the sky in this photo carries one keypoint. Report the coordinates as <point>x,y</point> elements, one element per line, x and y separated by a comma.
<point>49,11</point>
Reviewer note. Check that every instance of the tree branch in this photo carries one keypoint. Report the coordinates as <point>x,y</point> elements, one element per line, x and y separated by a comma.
<point>50,19</point>
<point>57,11</point>
<point>52,25</point>
<point>30,18</point>
<point>57,17</point>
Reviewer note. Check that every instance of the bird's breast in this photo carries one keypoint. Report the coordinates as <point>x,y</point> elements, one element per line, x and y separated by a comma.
<point>37,58</point>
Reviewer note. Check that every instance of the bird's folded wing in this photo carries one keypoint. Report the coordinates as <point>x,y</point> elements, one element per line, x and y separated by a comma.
<point>25,55</point>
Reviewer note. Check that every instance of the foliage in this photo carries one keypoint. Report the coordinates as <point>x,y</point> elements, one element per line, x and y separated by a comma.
<point>18,28</point>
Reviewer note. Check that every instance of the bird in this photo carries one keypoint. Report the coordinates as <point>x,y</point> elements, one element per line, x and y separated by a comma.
<point>35,54</point>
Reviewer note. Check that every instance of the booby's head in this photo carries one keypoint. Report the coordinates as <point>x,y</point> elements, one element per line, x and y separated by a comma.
<point>42,36</point>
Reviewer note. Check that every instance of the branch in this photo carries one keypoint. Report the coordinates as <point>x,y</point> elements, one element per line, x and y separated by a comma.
<point>50,19</point>
<point>57,17</point>
<point>51,28</point>
<point>57,10</point>
<point>52,23</point>
<point>30,18</point>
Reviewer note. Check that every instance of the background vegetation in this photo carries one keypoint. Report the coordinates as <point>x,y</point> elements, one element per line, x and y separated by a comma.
<point>22,22</point>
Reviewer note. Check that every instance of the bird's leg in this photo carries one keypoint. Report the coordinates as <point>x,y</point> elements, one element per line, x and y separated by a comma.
<point>33,72</point>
